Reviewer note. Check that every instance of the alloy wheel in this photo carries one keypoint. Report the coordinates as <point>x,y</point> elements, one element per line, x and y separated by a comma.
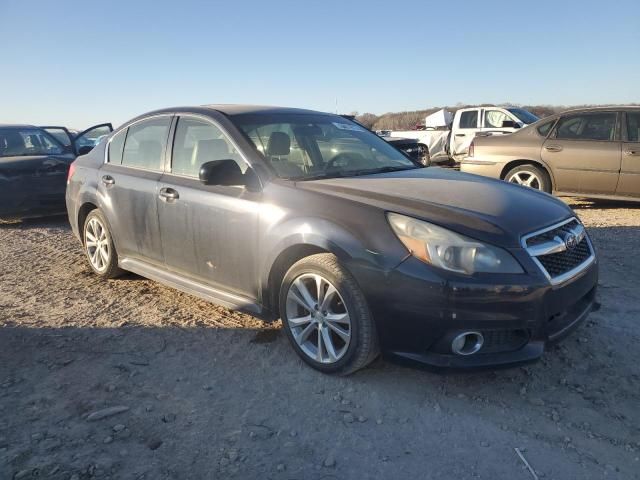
<point>96,243</point>
<point>526,179</point>
<point>318,318</point>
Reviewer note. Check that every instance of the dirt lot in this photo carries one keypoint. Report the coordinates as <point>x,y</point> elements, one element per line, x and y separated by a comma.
<point>214,394</point>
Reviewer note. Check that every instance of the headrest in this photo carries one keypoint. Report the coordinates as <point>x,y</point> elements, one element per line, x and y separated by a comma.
<point>279,144</point>
<point>208,150</point>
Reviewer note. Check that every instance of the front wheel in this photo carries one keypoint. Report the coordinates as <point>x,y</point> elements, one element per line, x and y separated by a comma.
<point>326,317</point>
<point>531,176</point>
<point>99,247</point>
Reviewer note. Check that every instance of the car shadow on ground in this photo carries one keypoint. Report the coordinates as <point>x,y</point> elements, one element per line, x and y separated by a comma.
<point>579,203</point>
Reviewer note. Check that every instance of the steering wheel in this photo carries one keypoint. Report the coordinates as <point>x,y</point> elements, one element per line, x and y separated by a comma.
<point>346,157</point>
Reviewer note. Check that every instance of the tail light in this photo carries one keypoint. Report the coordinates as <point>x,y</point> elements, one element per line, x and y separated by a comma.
<point>72,170</point>
<point>471,149</point>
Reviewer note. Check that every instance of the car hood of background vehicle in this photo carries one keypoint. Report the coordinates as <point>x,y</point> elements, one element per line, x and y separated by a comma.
<point>482,208</point>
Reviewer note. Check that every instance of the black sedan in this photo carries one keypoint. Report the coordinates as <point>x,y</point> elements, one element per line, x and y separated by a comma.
<point>34,162</point>
<point>309,217</point>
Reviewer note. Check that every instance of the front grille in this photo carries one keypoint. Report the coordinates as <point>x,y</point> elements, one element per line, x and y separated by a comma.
<point>558,263</point>
<point>560,250</point>
<point>537,239</point>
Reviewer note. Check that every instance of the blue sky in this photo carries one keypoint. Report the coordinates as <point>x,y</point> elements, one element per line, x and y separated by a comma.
<point>82,62</point>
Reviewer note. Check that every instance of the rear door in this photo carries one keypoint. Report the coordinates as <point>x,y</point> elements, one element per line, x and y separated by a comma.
<point>584,152</point>
<point>629,183</point>
<point>128,184</point>
<point>465,129</point>
<point>209,232</point>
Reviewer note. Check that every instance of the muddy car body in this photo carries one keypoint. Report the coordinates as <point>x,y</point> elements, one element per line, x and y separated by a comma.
<point>357,252</point>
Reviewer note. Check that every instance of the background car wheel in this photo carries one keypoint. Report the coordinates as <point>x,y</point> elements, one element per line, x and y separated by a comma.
<point>529,176</point>
<point>326,317</point>
<point>98,245</point>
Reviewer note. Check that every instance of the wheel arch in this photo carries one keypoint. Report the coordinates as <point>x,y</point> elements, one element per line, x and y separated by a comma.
<point>83,213</point>
<point>516,163</point>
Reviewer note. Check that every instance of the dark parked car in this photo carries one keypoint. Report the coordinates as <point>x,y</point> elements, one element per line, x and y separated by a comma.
<point>308,217</point>
<point>34,162</point>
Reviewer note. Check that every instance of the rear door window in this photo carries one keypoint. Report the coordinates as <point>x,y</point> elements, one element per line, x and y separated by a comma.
<point>146,142</point>
<point>545,128</point>
<point>587,126</point>
<point>116,146</point>
<point>633,127</point>
<point>469,119</point>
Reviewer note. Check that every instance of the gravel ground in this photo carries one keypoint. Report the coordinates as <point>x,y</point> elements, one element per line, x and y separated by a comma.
<point>206,393</point>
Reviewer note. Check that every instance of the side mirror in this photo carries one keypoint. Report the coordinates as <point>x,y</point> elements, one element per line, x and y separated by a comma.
<point>84,150</point>
<point>510,124</point>
<point>222,172</point>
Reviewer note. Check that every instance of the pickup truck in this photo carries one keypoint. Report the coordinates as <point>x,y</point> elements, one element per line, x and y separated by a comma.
<point>447,137</point>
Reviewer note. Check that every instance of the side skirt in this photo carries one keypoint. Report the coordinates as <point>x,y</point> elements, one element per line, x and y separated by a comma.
<point>206,292</point>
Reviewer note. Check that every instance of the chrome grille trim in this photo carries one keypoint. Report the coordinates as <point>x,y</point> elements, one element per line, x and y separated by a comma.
<point>557,245</point>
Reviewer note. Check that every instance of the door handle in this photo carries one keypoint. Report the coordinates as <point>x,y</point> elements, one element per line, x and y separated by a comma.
<point>168,194</point>
<point>108,180</point>
<point>461,134</point>
<point>632,153</point>
<point>553,148</point>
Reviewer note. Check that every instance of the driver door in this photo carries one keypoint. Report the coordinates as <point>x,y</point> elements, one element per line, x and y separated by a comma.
<point>84,141</point>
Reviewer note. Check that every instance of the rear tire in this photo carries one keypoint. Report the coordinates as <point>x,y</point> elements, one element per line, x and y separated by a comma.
<point>326,317</point>
<point>99,247</point>
<point>529,175</point>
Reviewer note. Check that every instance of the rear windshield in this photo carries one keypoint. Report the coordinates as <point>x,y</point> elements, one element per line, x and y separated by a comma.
<point>311,146</point>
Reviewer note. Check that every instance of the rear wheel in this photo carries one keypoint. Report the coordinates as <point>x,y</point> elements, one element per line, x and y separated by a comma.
<point>326,317</point>
<point>531,176</point>
<point>98,246</point>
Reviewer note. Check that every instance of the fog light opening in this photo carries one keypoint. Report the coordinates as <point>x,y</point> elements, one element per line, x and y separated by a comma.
<point>467,343</point>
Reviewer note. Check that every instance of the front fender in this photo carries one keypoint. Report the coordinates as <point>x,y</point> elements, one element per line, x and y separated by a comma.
<point>351,248</point>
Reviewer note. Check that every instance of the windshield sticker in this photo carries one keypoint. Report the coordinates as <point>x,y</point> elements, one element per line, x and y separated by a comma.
<point>348,126</point>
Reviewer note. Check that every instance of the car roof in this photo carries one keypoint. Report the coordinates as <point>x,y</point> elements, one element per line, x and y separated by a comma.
<point>16,125</point>
<point>600,108</point>
<point>236,109</point>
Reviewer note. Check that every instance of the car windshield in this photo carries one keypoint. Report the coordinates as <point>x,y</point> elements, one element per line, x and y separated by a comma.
<point>310,146</point>
<point>524,116</point>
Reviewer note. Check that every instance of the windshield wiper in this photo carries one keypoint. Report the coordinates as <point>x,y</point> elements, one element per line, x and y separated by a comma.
<point>352,173</point>
<point>373,171</point>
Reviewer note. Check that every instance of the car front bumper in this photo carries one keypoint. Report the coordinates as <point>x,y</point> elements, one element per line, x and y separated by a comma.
<point>419,310</point>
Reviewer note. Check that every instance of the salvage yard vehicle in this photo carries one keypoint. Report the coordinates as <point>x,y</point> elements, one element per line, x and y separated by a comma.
<point>592,152</point>
<point>311,218</point>
<point>447,137</point>
<point>34,162</point>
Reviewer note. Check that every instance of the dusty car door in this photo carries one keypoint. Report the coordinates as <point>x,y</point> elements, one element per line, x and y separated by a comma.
<point>629,183</point>
<point>128,185</point>
<point>584,153</point>
<point>209,232</point>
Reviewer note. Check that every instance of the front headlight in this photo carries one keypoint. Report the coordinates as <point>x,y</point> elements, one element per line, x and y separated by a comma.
<point>445,249</point>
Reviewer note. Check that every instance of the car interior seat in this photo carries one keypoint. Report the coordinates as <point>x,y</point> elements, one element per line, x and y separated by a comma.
<point>279,146</point>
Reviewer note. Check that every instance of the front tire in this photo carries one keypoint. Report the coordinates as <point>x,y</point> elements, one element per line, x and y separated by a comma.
<point>531,176</point>
<point>326,317</point>
<point>99,247</point>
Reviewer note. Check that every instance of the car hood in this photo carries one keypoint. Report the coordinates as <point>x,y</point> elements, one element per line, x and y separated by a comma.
<point>482,208</point>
